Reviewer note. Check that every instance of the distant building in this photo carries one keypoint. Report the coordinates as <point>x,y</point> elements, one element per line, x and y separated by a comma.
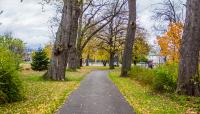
<point>156,58</point>
<point>28,54</point>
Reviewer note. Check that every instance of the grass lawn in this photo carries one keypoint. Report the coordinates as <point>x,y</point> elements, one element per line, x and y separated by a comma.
<point>145,101</point>
<point>43,96</point>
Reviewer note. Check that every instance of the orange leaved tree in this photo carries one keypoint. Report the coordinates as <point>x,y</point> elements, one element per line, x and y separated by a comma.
<point>170,42</point>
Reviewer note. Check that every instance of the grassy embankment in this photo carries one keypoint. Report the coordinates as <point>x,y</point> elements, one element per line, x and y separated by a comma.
<point>138,91</point>
<point>43,96</point>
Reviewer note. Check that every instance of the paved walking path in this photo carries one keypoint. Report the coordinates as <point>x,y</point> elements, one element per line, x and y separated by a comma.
<point>96,95</point>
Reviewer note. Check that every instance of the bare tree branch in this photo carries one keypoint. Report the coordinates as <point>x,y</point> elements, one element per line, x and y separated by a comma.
<point>115,13</point>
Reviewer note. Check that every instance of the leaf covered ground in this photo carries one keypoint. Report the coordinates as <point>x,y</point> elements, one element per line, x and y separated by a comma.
<point>145,101</point>
<point>43,96</point>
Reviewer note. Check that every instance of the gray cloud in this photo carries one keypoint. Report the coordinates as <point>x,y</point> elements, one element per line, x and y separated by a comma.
<point>27,21</point>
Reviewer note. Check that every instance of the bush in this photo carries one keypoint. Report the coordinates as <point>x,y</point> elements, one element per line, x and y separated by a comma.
<point>40,61</point>
<point>142,75</point>
<point>166,78</point>
<point>161,79</point>
<point>10,84</point>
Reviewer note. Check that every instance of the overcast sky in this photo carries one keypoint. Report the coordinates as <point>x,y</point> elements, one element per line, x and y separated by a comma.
<point>28,22</point>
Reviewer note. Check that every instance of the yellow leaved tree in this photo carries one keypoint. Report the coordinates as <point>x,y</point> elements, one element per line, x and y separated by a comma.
<point>170,42</point>
<point>94,52</point>
<point>48,49</point>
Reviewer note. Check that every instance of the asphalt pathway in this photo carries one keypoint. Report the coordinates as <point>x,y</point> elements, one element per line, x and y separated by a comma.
<point>96,95</point>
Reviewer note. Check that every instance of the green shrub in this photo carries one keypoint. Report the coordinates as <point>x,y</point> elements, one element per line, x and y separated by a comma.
<point>161,79</point>
<point>164,81</point>
<point>10,84</point>
<point>40,61</point>
<point>142,75</point>
<point>166,78</point>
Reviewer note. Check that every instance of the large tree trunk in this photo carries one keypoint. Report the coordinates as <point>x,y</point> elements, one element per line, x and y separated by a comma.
<point>117,60</point>
<point>88,60</point>
<point>72,53</point>
<point>127,55</point>
<point>79,38</point>
<point>104,62</point>
<point>188,79</point>
<point>79,60</point>
<point>62,44</point>
<point>72,59</point>
<point>111,61</point>
<point>57,67</point>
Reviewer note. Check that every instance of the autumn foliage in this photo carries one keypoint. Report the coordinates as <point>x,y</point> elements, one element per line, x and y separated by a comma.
<point>170,42</point>
<point>141,47</point>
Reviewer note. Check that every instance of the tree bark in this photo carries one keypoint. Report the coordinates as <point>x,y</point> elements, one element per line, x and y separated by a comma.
<point>73,53</point>
<point>188,79</point>
<point>127,55</point>
<point>62,44</point>
<point>79,59</point>
<point>117,60</point>
<point>78,45</point>
<point>87,60</point>
<point>111,61</point>
<point>72,59</point>
<point>104,62</point>
<point>75,61</point>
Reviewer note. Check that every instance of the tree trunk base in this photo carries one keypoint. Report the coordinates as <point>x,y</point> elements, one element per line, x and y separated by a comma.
<point>189,89</point>
<point>124,73</point>
<point>57,68</point>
